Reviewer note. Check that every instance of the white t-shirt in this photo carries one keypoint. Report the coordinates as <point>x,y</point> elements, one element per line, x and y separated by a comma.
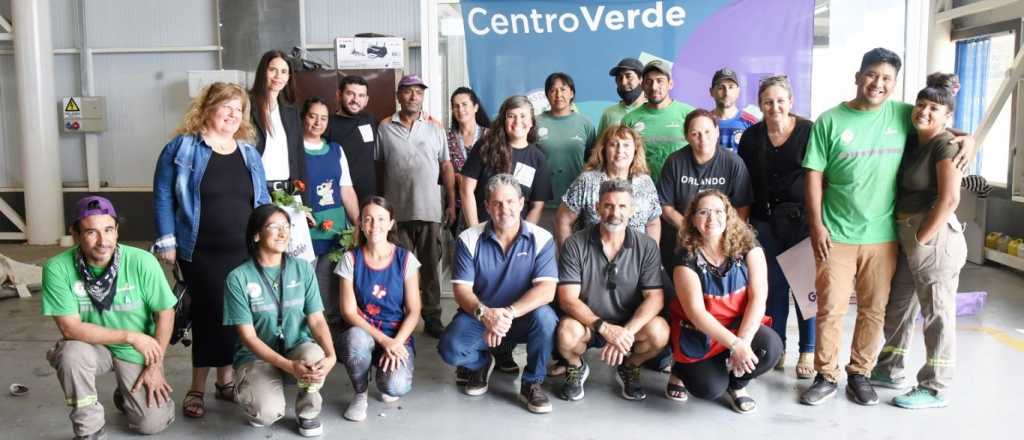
<point>346,176</point>
<point>275,153</point>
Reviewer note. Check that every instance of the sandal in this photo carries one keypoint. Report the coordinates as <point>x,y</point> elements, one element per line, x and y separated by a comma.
<point>193,405</point>
<point>805,366</point>
<point>676,392</point>
<point>225,392</point>
<point>741,404</point>
<point>781,364</point>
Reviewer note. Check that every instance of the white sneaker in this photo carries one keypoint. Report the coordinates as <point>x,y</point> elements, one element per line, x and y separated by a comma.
<point>356,410</point>
<point>387,398</point>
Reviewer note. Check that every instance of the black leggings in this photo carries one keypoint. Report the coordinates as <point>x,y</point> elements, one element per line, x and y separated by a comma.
<point>708,379</point>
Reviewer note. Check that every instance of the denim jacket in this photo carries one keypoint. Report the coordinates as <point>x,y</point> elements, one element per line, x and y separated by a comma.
<point>179,172</point>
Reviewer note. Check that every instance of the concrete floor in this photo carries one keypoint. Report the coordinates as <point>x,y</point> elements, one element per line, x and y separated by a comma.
<point>984,399</point>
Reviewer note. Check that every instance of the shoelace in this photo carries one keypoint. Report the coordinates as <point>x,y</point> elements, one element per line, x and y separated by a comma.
<point>632,373</point>
<point>573,374</point>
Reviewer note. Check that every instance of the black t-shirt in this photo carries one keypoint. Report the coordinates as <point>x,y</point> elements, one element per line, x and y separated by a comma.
<point>777,173</point>
<point>357,136</point>
<point>682,178</point>
<point>528,165</point>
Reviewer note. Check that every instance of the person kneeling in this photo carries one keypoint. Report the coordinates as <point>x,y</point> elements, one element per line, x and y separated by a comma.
<point>115,312</point>
<point>274,302</point>
<point>719,338</point>
<point>380,300</point>
<point>610,289</point>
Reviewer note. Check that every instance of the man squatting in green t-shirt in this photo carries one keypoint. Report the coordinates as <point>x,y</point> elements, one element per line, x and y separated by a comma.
<point>115,312</point>
<point>852,162</point>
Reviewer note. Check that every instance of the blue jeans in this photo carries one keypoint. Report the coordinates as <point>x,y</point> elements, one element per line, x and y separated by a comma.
<point>778,291</point>
<point>359,353</point>
<point>463,345</point>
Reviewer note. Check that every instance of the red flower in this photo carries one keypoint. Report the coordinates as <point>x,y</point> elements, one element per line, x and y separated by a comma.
<point>372,309</point>
<point>327,225</point>
<point>299,185</point>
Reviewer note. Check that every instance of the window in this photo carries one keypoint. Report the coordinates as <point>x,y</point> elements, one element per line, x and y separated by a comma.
<point>982,64</point>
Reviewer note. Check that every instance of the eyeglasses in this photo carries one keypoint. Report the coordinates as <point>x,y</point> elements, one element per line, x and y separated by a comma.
<point>609,276</point>
<point>277,228</point>
<point>704,212</point>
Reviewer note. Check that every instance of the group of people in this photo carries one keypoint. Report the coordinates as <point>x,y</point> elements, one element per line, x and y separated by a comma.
<point>663,252</point>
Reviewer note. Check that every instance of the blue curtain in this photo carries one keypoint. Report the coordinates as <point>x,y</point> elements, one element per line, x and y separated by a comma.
<point>972,68</point>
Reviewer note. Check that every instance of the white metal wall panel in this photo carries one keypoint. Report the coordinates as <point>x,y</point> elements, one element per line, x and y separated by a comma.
<point>327,19</point>
<point>65,26</point>
<point>150,23</point>
<point>65,71</point>
<point>147,94</point>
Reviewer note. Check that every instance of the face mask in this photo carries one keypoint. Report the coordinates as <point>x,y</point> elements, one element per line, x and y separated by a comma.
<point>629,97</point>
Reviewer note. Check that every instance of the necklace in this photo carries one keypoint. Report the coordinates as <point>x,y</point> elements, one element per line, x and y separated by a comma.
<point>714,258</point>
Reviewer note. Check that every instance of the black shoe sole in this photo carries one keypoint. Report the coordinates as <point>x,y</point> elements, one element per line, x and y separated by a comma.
<point>823,399</point>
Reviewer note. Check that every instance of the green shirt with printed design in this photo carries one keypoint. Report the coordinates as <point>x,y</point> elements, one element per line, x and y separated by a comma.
<point>613,114</point>
<point>662,130</point>
<point>248,299</point>
<point>564,140</point>
<point>142,290</point>
<point>858,153</point>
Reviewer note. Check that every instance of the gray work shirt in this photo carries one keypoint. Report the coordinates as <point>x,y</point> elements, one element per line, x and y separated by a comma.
<point>412,158</point>
<point>637,267</point>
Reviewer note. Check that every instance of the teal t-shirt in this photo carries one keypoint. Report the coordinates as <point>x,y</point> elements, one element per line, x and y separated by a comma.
<point>249,300</point>
<point>142,290</point>
<point>564,140</point>
<point>662,130</point>
<point>613,114</point>
<point>859,154</point>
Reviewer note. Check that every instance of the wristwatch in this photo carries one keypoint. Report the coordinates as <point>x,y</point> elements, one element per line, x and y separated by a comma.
<point>479,312</point>
<point>596,326</point>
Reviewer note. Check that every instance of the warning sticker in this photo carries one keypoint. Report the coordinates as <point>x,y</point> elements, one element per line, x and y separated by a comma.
<point>72,106</point>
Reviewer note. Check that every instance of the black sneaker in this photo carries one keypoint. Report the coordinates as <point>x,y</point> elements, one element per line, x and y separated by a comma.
<point>628,377</point>
<point>575,377</point>
<point>433,328</point>
<point>477,384</point>
<point>101,434</point>
<point>860,390</point>
<point>462,375</point>
<point>532,394</point>
<point>119,400</point>
<point>506,364</point>
<point>310,427</point>
<point>821,390</point>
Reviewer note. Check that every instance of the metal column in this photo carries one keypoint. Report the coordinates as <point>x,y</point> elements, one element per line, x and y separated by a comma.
<point>37,106</point>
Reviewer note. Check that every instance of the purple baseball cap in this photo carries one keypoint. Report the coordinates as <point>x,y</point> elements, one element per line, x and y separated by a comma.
<point>411,80</point>
<point>93,205</point>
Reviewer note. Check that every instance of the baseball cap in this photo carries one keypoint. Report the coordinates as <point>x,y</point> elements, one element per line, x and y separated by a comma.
<point>658,65</point>
<point>723,74</point>
<point>411,80</point>
<point>93,205</point>
<point>627,64</point>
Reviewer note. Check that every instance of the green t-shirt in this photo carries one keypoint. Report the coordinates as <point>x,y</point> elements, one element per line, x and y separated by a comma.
<point>613,114</point>
<point>919,180</point>
<point>249,300</point>
<point>859,153</point>
<point>142,290</point>
<point>564,140</point>
<point>662,130</point>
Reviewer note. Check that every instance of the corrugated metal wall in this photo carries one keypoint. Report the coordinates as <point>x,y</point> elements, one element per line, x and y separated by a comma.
<point>147,92</point>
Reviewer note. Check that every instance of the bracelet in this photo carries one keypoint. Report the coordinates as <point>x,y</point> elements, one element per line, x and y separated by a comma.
<point>512,309</point>
<point>596,326</point>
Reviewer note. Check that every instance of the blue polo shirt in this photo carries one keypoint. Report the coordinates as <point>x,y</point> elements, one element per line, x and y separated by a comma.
<point>500,278</point>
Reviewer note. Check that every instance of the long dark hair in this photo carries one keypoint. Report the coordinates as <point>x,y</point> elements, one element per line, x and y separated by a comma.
<point>259,93</point>
<point>383,203</point>
<point>309,104</point>
<point>481,114</point>
<point>257,220</point>
<point>496,152</point>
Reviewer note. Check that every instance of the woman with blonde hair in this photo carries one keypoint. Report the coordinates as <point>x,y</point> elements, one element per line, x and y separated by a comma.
<point>719,338</point>
<point>617,154</point>
<point>207,182</point>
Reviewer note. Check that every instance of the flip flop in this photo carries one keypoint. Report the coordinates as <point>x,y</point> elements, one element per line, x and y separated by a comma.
<point>805,366</point>
<point>742,404</point>
<point>676,392</point>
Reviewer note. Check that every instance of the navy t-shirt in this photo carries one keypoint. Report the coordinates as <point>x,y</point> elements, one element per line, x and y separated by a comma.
<point>529,166</point>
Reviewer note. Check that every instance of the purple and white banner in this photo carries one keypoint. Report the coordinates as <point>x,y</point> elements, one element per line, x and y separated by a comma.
<point>513,45</point>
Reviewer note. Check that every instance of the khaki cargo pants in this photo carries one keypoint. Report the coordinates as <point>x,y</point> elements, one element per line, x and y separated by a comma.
<point>260,389</point>
<point>926,281</point>
<point>78,363</point>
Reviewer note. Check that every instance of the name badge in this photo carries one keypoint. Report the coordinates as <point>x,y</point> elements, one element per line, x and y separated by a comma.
<point>524,174</point>
<point>367,131</point>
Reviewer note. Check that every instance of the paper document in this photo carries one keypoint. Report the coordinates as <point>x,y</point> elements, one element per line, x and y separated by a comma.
<point>798,265</point>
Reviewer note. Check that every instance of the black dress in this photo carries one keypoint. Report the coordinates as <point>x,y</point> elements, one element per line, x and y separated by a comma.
<point>226,200</point>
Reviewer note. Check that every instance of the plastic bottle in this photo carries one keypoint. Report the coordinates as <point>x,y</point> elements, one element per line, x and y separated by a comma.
<point>992,239</point>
